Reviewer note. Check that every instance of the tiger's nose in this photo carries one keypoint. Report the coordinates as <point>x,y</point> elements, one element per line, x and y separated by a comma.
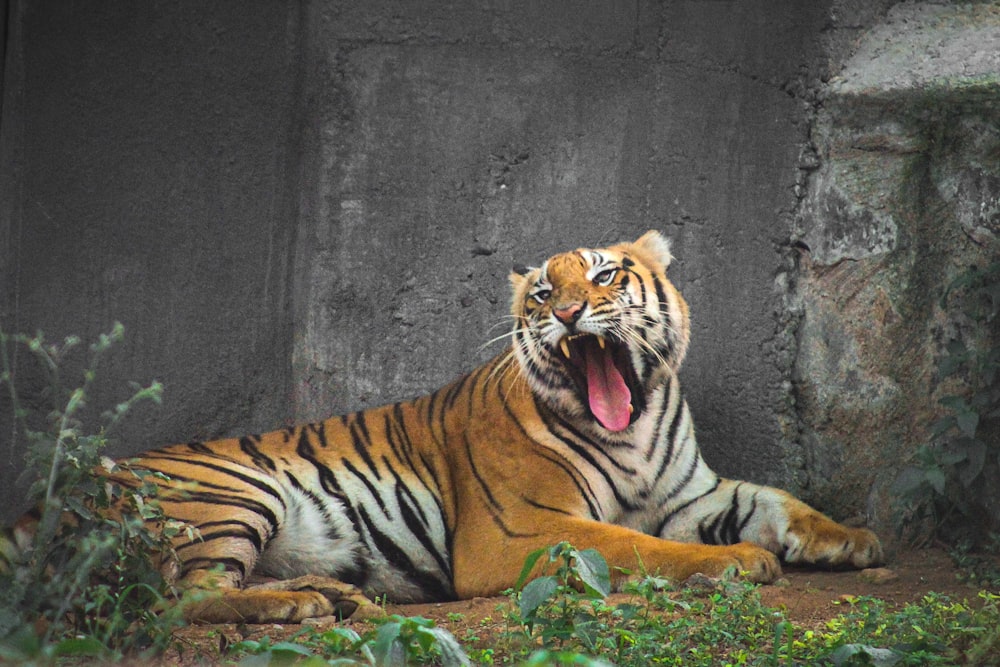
<point>568,314</point>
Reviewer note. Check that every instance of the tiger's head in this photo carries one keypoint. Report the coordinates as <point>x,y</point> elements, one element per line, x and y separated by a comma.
<point>597,329</point>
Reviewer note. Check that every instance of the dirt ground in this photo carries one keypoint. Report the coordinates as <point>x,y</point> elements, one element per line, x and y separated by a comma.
<point>809,597</point>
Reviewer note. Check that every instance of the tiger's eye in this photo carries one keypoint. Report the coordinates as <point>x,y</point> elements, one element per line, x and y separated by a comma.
<point>605,277</point>
<point>541,296</point>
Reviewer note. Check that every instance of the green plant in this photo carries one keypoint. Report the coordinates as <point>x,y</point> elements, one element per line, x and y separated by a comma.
<point>980,566</point>
<point>552,604</point>
<point>725,623</point>
<point>398,640</point>
<point>89,583</point>
<point>940,480</point>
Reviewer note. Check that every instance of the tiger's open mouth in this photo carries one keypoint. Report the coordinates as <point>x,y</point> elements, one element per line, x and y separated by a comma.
<point>602,370</point>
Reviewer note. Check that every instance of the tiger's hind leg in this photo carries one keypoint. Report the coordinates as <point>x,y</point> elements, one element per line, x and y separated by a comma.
<point>285,601</point>
<point>743,512</point>
<point>224,559</point>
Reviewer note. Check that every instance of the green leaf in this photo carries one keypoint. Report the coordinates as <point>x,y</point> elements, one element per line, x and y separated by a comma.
<point>976,450</point>
<point>258,660</point>
<point>909,480</point>
<point>942,426</point>
<point>593,571</point>
<point>387,648</point>
<point>968,422</point>
<point>950,365</point>
<point>79,646</point>
<point>880,657</point>
<point>956,348</point>
<point>529,565</point>
<point>291,648</point>
<point>950,457</point>
<point>956,403</point>
<point>536,593</point>
<point>936,478</point>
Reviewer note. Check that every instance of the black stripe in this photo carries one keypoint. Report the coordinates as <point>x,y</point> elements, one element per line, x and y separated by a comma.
<point>318,505</point>
<point>437,487</point>
<point>431,403</point>
<point>746,519</point>
<point>254,506</point>
<point>261,460</point>
<point>401,445</point>
<point>508,532</point>
<point>675,423</point>
<point>250,536</point>
<point>599,446</point>
<point>664,308</point>
<point>228,565</point>
<point>654,442</point>
<point>548,417</point>
<point>686,479</point>
<point>722,530</point>
<point>372,489</point>
<point>432,586</point>
<point>685,505</point>
<point>173,489</point>
<point>574,474</point>
<point>319,429</point>
<point>246,479</point>
<point>408,505</point>
<point>479,478</point>
<point>328,481</point>
<point>362,442</point>
<point>661,294</point>
<point>235,522</point>
<point>198,447</point>
<point>403,487</point>
<point>395,439</point>
<point>455,391</point>
<point>541,506</point>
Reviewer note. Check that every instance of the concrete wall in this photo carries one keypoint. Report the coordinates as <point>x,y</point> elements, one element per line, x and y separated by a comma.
<point>150,159</point>
<point>299,211</point>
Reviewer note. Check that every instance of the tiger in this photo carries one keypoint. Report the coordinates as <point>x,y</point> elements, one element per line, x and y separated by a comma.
<point>577,432</point>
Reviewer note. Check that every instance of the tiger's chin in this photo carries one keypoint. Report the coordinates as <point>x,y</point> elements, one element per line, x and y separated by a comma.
<point>606,380</point>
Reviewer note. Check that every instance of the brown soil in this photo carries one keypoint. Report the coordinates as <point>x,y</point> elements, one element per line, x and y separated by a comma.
<point>808,596</point>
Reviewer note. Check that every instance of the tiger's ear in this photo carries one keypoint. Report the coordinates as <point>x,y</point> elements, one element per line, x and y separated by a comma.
<point>656,246</point>
<point>519,275</point>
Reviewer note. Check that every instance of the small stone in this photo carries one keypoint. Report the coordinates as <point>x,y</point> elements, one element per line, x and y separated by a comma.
<point>877,575</point>
<point>781,583</point>
<point>320,621</point>
<point>701,582</point>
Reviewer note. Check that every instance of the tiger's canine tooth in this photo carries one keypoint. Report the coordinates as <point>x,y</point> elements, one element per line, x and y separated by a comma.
<point>631,408</point>
<point>564,346</point>
<point>600,341</point>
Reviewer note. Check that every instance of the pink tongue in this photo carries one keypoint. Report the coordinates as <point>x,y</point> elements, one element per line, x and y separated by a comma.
<point>609,395</point>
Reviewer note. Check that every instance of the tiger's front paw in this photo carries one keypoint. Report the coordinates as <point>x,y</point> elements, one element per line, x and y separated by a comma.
<point>284,601</point>
<point>343,600</point>
<point>756,564</point>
